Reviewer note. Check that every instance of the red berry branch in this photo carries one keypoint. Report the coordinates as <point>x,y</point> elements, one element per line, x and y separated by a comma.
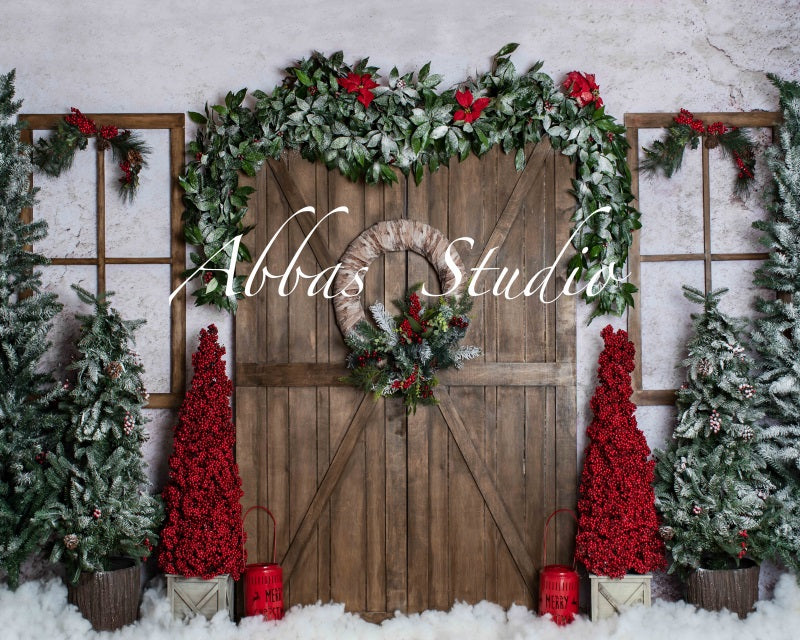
<point>55,153</point>
<point>666,155</point>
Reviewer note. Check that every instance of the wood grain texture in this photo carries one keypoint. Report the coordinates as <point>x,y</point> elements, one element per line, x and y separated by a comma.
<point>737,119</point>
<point>474,374</point>
<point>108,599</point>
<point>717,589</point>
<point>412,512</point>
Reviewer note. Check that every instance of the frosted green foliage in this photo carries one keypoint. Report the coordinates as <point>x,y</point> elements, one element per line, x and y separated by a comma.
<point>102,508</point>
<point>28,423</point>
<point>776,335</point>
<point>712,486</point>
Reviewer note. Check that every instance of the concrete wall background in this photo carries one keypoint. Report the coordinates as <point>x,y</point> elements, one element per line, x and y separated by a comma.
<point>657,55</point>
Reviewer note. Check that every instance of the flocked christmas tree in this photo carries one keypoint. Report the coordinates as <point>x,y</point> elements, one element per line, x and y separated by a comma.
<point>203,534</point>
<point>711,485</point>
<point>27,419</point>
<point>103,509</point>
<point>776,336</point>
<point>617,521</point>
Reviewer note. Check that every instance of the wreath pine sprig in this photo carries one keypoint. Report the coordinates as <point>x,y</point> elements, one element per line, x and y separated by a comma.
<point>54,154</point>
<point>666,155</point>
<point>399,355</point>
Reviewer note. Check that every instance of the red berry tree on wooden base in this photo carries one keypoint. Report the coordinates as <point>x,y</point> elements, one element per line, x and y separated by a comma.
<point>617,525</point>
<point>203,536</point>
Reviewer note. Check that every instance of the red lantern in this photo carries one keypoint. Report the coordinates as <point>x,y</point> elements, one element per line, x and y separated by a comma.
<point>558,585</point>
<point>263,582</point>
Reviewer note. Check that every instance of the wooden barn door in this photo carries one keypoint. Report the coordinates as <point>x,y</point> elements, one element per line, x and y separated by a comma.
<point>384,511</point>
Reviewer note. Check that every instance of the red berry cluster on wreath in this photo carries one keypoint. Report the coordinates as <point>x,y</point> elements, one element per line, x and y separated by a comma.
<point>203,534</point>
<point>409,381</point>
<point>127,171</point>
<point>618,524</point>
<point>86,126</point>
<point>717,129</point>
<point>409,335</point>
<point>459,323</point>
<point>687,117</point>
<point>365,357</point>
<point>208,276</point>
<point>744,170</point>
<point>108,132</point>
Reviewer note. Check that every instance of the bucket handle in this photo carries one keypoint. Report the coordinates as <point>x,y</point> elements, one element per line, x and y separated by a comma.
<point>274,529</point>
<point>544,541</point>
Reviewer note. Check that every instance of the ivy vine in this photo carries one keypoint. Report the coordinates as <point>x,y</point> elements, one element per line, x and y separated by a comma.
<point>346,118</point>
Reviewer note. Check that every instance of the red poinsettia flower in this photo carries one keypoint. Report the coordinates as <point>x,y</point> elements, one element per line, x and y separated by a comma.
<point>583,88</point>
<point>360,84</point>
<point>470,110</point>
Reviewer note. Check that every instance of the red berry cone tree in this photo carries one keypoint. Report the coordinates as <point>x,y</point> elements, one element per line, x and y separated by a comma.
<point>203,536</point>
<point>617,521</point>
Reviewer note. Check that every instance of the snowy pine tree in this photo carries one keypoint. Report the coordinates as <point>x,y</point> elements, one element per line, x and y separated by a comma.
<point>101,506</point>
<point>27,419</point>
<point>712,485</point>
<point>776,337</point>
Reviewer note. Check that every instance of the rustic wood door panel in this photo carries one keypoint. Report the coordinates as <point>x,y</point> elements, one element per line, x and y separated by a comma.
<point>378,509</point>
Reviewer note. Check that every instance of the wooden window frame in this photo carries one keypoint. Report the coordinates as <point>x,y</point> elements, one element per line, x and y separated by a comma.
<point>175,124</point>
<point>633,123</point>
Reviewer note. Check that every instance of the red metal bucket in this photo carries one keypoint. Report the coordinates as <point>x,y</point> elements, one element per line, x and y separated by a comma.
<point>263,582</point>
<point>558,585</point>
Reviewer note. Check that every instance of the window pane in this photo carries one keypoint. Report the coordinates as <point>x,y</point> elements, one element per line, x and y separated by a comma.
<point>732,217</point>
<point>665,320</point>
<point>672,208</point>
<point>58,279</point>
<point>69,204</point>
<point>737,277</point>
<point>142,291</point>
<point>141,228</point>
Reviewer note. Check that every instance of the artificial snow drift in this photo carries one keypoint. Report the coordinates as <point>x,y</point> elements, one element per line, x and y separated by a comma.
<point>40,610</point>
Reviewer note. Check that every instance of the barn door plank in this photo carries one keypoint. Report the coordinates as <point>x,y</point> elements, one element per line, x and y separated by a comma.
<point>348,501</point>
<point>485,483</point>
<point>512,329</point>
<point>302,400</point>
<point>328,484</point>
<point>467,510</point>
<point>375,442</point>
<point>298,199</point>
<point>565,351</point>
<point>529,176</point>
<point>395,284</point>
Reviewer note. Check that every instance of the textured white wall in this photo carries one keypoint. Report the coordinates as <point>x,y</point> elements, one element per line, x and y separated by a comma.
<point>655,55</point>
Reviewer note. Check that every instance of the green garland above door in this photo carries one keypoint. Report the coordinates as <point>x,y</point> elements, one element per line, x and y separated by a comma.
<point>348,119</point>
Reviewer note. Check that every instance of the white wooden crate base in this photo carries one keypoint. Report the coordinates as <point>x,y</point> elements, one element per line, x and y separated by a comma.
<point>189,596</point>
<point>611,595</point>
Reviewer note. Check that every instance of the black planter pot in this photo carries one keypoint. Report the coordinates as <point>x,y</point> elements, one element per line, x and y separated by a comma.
<point>735,589</point>
<point>108,599</point>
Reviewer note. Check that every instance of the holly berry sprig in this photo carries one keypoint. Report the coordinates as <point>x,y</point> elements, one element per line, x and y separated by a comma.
<point>666,155</point>
<point>55,153</point>
<point>400,355</point>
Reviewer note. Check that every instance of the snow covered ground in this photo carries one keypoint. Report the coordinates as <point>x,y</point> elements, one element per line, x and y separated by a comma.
<point>39,610</point>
